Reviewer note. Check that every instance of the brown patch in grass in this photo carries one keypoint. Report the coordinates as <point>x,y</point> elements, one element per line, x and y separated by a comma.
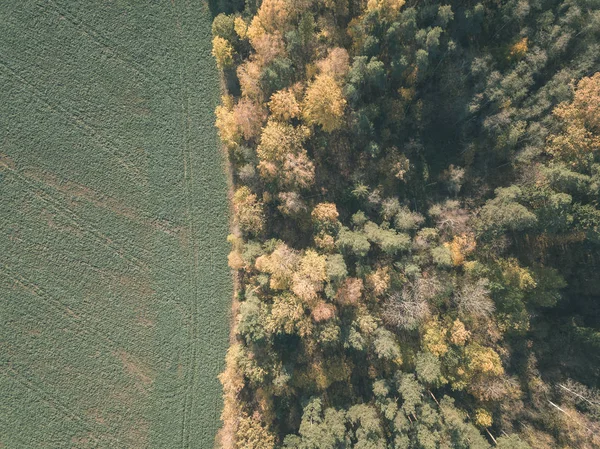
<point>6,162</point>
<point>121,396</point>
<point>135,368</point>
<point>139,106</point>
<point>18,282</point>
<point>82,192</point>
<point>71,313</point>
<point>144,319</point>
<point>141,289</point>
<point>82,442</point>
<point>53,224</point>
<point>137,435</point>
<point>95,415</point>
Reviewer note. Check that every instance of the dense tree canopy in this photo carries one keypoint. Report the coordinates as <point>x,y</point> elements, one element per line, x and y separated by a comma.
<point>417,239</point>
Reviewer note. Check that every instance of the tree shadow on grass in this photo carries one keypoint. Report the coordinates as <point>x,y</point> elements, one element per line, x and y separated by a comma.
<point>225,6</point>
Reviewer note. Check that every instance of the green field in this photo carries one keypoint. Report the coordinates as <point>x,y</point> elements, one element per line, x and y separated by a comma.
<point>114,288</point>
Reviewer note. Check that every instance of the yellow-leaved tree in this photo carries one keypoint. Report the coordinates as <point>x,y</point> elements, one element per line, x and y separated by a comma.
<point>287,317</point>
<point>226,123</point>
<point>241,27</point>
<point>309,278</point>
<point>248,211</point>
<point>280,264</point>
<point>272,15</point>
<point>324,103</point>
<point>460,247</point>
<point>326,223</point>
<point>434,338</point>
<point>483,360</point>
<point>252,434</point>
<point>389,8</point>
<point>519,49</point>
<point>580,120</point>
<point>282,156</point>
<point>248,75</point>
<point>223,52</point>
<point>283,105</point>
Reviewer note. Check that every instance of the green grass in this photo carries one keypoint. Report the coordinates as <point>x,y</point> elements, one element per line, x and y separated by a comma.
<point>114,289</point>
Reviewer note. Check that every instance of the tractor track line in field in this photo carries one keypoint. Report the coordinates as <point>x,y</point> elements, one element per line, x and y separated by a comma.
<point>189,183</point>
<point>47,398</point>
<point>83,325</point>
<point>55,404</point>
<point>104,144</point>
<point>189,377</point>
<point>69,188</point>
<point>107,44</point>
<point>76,220</point>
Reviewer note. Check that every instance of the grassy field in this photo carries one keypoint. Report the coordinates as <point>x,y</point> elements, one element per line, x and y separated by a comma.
<point>114,289</point>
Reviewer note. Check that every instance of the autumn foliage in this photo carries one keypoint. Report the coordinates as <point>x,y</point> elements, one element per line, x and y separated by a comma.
<point>417,223</point>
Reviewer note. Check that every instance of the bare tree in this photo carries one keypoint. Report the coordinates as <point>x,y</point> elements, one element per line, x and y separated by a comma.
<point>474,299</point>
<point>408,308</point>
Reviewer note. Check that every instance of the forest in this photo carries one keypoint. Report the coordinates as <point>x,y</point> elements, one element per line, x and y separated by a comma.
<point>416,227</point>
